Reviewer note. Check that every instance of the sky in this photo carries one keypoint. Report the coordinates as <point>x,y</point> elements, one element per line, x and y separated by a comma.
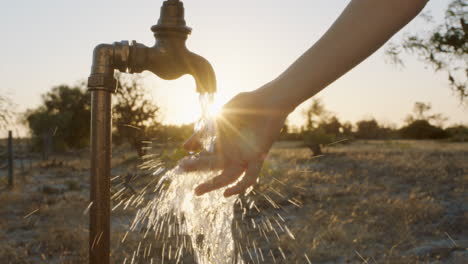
<point>249,43</point>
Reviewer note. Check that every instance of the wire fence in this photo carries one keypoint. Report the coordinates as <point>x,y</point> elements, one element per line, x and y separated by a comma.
<point>16,157</point>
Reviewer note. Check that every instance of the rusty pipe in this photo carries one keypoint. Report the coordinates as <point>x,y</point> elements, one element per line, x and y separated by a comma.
<point>101,83</point>
<point>101,142</point>
<point>169,59</point>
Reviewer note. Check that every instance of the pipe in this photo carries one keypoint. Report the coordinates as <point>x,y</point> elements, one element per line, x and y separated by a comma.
<point>169,59</point>
<point>101,83</point>
<point>101,141</point>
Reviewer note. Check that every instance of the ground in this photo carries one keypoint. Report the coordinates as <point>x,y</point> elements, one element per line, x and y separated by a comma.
<point>361,202</point>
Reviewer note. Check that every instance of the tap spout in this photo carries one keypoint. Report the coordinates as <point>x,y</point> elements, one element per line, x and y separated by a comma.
<point>169,59</point>
<point>203,73</point>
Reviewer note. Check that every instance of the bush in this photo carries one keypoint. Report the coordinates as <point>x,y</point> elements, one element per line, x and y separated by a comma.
<point>371,129</point>
<point>422,129</point>
<point>135,115</point>
<point>63,115</point>
<point>314,139</point>
<point>458,133</point>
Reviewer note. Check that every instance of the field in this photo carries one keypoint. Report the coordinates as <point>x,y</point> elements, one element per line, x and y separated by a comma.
<point>361,202</point>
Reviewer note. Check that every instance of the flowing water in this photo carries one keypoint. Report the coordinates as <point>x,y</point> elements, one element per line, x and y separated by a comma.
<point>185,221</point>
<point>211,228</point>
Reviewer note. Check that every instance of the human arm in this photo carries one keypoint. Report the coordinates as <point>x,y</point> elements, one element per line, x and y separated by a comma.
<point>362,28</point>
<point>251,122</point>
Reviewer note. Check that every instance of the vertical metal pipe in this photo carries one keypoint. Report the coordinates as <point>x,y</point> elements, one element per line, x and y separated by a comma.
<point>11,180</point>
<point>99,236</point>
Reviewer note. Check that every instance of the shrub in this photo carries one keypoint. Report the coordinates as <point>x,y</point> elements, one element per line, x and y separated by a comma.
<point>63,115</point>
<point>135,116</point>
<point>314,139</point>
<point>422,129</point>
<point>458,133</point>
<point>371,129</point>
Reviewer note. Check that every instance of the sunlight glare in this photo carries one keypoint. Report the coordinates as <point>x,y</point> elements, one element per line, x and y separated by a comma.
<point>215,108</point>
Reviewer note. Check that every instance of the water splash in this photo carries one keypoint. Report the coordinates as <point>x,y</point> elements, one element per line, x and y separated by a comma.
<point>212,229</point>
<point>175,213</point>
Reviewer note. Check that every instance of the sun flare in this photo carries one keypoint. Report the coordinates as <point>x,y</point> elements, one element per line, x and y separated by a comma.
<point>215,108</point>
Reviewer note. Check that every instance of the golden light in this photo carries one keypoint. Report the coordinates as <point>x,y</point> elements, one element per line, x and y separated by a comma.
<point>179,101</point>
<point>215,107</point>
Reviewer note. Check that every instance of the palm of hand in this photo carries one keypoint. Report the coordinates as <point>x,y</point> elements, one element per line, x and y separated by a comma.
<point>246,129</point>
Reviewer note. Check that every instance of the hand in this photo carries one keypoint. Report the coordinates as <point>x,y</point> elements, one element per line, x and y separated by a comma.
<point>250,122</point>
<point>246,129</point>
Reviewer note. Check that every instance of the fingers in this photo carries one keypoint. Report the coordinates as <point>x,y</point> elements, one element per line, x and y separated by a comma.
<point>249,179</point>
<point>228,176</point>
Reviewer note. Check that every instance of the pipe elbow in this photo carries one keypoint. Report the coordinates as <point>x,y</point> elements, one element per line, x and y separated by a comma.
<point>102,59</point>
<point>203,73</point>
<point>102,70</point>
<point>106,59</point>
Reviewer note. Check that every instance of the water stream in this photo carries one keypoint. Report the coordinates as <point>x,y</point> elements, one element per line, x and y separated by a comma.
<point>184,221</point>
<point>210,229</point>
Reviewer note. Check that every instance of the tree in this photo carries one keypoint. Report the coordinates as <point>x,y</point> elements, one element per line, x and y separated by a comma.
<point>315,138</point>
<point>320,128</point>
<point>6,111</point>
<point>314,114</point>
<point>331,126</point>
<point>418,124</point>
<point>458,133</point>
<point>420,109</point>
<point>445,47</point>
<point>64,114</point>
<point>420,112</point>
<point>368,129</point>
<point>347,129</point>
<point>135,116</point>
<point>422,129</point>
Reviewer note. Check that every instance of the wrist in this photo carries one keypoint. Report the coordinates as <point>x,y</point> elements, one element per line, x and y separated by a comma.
<point>272,95</point>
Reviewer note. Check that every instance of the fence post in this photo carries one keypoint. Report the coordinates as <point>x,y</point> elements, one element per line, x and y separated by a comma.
<point>11,182</point>
<point>22,154</point>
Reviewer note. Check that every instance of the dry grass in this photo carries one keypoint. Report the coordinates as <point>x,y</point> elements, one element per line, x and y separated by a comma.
<point>374,202</point>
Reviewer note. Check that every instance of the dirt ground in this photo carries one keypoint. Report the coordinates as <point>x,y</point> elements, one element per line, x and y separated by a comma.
<point>361,202</point>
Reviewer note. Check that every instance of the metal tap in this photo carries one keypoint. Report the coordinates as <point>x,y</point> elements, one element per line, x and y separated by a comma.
<point>169,59</point>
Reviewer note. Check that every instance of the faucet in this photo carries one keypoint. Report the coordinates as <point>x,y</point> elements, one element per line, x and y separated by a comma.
<point>169,59</point>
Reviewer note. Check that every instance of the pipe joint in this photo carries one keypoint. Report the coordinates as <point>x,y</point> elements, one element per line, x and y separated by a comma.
<point>101,81</point>
<point>138,57</point>
<point>106,59</point>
